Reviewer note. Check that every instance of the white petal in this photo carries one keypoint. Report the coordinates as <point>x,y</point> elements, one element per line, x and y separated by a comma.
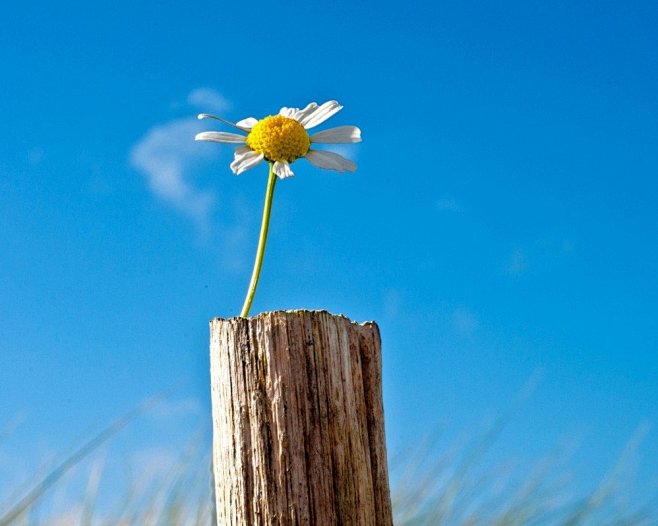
<point>240,150</point>
<point>247,124</point>
<point>214,136</point>
<point>302,114</point>
<point>209,116</point>
<point>245,160</point>
<point>282,169</point>
<point>288,112</point>
<point>339,135</point>
<point>320,114</point>
<point>330,161</point>
<point>240,153</point>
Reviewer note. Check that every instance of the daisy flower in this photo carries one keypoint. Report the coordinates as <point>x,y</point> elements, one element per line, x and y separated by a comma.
<point>282,139</point>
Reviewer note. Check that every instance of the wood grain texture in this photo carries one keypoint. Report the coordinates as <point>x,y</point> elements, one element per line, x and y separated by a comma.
<point>298,421</point>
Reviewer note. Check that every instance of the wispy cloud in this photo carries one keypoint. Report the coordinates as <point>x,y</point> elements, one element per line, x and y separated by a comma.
<point>207,99</point>
<point>167,156</point>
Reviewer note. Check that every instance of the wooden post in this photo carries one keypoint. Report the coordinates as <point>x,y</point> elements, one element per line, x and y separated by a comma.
<point>298,421</point>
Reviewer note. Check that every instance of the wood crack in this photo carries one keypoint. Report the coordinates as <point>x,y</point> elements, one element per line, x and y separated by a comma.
<point>298,427</point>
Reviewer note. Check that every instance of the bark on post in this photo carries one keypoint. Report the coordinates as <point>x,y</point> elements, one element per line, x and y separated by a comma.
<point>298,421</point>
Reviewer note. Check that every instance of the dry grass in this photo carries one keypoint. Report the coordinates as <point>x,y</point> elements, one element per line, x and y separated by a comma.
<point>434,485</point>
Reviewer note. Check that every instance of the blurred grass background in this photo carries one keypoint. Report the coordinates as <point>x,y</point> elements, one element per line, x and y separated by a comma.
<point>443,481</point>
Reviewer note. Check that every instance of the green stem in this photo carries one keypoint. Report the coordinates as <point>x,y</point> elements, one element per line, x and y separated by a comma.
<point>260,251</point>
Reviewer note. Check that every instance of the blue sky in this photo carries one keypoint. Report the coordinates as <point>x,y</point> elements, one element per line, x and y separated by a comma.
<point>501,227</point>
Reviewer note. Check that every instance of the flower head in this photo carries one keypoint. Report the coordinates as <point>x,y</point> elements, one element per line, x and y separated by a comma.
<point>282,139</point>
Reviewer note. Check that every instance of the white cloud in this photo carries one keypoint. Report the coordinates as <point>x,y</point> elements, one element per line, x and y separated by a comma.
<point>208,100</point>
<point>166,156</point>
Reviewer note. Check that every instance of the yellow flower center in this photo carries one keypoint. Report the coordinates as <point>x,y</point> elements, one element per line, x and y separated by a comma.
<point>279,138</point>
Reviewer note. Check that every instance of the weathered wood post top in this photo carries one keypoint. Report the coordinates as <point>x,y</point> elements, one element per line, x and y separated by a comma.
<point>298,421</point>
